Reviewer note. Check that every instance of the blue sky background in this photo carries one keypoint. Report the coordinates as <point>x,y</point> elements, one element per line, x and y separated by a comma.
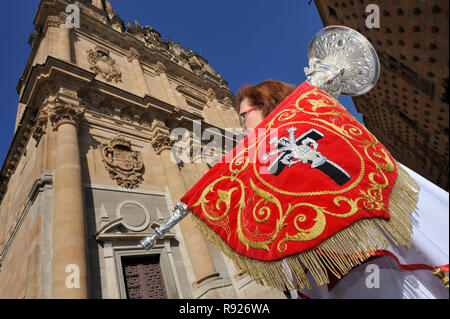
<point>245,41</point>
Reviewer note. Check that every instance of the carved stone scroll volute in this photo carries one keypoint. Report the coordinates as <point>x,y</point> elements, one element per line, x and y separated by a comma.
<point>125,166</point>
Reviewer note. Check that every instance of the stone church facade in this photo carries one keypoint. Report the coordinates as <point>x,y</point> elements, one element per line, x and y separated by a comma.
<point>91,170</point>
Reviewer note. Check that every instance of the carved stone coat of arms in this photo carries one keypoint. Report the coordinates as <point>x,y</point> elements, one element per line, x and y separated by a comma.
<point>124,165</point>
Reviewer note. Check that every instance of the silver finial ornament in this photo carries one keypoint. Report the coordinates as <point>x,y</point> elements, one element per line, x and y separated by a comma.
<point>342,61</point>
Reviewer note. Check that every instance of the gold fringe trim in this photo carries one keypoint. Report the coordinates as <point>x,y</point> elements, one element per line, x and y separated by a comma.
<point>337,254</point>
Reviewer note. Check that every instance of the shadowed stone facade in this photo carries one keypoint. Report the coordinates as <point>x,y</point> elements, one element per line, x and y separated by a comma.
<point>90,170</point>
<point>408,109</point>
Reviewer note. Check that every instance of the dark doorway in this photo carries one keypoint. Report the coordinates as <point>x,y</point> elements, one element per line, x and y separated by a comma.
<point>143,278</point>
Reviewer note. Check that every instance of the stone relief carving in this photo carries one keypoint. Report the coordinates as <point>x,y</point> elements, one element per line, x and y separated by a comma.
<point>211,95</point>
<point>125,166</point>
<point>103,65</point>
<point>186,58</point>
<point>151,37</point>
<point>41,124</point>
<point>178,54</point>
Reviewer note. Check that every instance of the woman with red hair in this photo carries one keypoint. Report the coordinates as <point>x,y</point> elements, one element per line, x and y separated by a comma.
<point>254,103</point>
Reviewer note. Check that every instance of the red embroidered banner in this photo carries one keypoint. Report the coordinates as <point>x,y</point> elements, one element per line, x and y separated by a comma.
<point>309,170</point>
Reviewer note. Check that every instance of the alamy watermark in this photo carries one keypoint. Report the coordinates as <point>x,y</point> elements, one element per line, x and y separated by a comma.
<point>373,18</point>
<point>73,279</point>
<point>373,279</point>
<point>73,19</point>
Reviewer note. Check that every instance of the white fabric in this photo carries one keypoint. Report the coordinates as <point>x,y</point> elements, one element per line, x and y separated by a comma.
<point>430,245</point>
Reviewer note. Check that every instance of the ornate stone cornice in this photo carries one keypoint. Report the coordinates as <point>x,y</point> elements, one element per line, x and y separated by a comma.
<point>65,113</point>
<point>187,91</point>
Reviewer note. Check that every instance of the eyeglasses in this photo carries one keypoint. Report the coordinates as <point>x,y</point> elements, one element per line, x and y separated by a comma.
<point>243,115</point>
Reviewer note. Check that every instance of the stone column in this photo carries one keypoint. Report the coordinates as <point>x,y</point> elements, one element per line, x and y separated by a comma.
<point>69,238</point>
<point>58,38</point>
<point>197,247</point>
<point>133,57</point>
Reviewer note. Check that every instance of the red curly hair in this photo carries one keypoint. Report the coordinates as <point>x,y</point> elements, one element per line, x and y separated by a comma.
<point>268,94</point>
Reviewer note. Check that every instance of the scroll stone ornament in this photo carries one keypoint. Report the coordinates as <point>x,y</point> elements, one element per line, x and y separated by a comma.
<point>103,65</point>
<point>124,165</point>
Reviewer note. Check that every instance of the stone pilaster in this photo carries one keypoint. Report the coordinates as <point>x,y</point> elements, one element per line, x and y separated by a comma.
<point>58,38</point>
<point>133,57</point>
<point>160,70</point>
<point>198,251</point>
<point>69,238</point>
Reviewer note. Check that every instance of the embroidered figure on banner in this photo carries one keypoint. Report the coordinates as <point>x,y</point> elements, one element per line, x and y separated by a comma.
<point>303,149</point>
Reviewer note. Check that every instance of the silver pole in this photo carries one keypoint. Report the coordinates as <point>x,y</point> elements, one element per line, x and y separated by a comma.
<point>180,211</point>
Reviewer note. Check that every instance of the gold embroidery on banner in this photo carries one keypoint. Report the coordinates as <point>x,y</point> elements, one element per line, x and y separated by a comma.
<point>223,198</point>
<point>287,114</point>
<point>371,198</point>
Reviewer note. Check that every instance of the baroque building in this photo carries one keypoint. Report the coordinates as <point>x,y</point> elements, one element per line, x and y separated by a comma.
<point>91,169</point>
<point>408,109</point>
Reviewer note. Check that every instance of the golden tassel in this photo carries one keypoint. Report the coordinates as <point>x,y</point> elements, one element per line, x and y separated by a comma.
<point>441,275</point>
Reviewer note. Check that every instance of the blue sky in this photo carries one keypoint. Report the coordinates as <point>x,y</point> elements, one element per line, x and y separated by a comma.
<point>245,41</point>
